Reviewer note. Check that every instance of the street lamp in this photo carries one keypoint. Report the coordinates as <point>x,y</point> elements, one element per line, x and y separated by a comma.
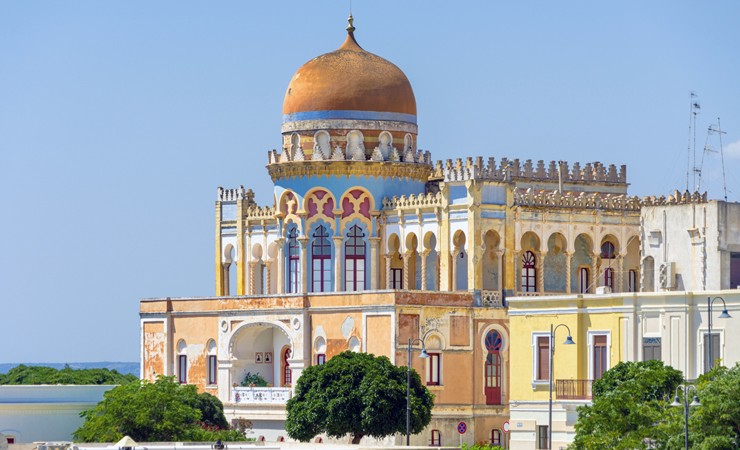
<point>424,355</point>
<point>568,341</point>
<point>685,403</point>
<point>724,315</point>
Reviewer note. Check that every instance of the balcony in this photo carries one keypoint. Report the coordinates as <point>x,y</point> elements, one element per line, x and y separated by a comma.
<point>491,299</point>
<point>261,395</point>
<point>573,389</point>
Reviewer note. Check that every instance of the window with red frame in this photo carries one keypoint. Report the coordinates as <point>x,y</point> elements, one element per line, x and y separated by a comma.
<point>321,260</point>
<point>320,359</point>
<point>609,277</point>
<point>354,260</point>
<point>287,373</point>
<point>436,440</point>
<point>294,262</point>
<point>434,367</point>
<point>396,278</point>
<point>529,272</point>
<point>496,437</point>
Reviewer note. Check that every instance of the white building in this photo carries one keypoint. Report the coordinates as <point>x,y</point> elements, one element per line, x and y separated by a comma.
<point>45,412</point>
<point>691,247</point>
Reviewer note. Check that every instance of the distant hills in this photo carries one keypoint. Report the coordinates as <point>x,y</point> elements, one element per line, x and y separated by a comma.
<point>121,367</point>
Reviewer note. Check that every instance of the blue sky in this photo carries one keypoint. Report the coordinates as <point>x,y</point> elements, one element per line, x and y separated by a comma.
<point>119,119</point>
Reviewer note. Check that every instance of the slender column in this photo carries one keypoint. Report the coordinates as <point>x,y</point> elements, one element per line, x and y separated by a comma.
<point>453,262</point>
<point>568,275</point>
<point>227,281</point>
<point>268,278</point>
<point>374,266</point>
<point>438,271</point>
<point>516,274</point>
<point>388,281</point>
<point>304,264</point>
<point>541,272</point>
<point>424,255</point>
<point>406,275</point>
<point>338,248</point>
<point>619,282</point>
<point>594,274</point>
<point>251,277</point>
<point>280,266</point>
<point>500,269</point>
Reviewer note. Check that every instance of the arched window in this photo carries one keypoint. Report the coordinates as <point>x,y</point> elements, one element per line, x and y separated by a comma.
<point>321,260</point>
<point>182,362</point>
<point>496,437</point>
<point>354,260</point>
<point>529,272</point>
<point>607,250</point>
<point>287,373</point>
<point>212,366</point>
<point>436,440</point>
<point>493,367</point>
<point>294,262</point>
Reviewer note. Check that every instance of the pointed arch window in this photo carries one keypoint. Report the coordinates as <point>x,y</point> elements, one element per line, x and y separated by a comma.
<point>529,272</point>
<point>321,261</point>
<point>493,367</point>
<point>294,262</point>
<point>354,260</point>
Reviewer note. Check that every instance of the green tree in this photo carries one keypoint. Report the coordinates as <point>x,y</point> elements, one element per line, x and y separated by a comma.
<point>629,408</point>
<point>23,374</point>
<point>715,425</point>
<point>160,411</point>
<point>357,394</point>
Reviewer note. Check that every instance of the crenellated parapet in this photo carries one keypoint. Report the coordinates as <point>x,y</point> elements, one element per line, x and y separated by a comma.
<point>231,195</point>
<point>412,201</point>
<point>509,170</point>
<point>260,212</point>
<point>601,201</point>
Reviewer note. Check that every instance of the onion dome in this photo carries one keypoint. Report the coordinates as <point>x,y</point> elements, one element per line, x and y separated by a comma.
<point>349,84</point>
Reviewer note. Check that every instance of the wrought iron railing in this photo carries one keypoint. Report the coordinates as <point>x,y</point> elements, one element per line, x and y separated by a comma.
<point>573,389</point>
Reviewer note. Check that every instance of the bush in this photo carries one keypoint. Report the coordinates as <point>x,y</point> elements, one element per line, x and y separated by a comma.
<point>481,446</point>
<point>254,380</point>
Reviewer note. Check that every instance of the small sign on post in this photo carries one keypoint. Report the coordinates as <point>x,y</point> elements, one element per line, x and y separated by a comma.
<point>462,427</point>
<point>506,426</point>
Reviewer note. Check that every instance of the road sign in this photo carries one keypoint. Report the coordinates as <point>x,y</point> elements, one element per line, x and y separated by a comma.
<point>506,426</point>
<point>462,427</point>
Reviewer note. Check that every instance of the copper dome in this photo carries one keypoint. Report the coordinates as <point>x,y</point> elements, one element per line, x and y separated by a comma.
<point>349,80</point>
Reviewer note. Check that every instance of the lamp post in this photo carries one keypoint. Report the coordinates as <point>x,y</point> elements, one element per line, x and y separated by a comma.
<point>568,341</point>
<point>684,401</point>
<point>408,385</point>
<point>724,315</point>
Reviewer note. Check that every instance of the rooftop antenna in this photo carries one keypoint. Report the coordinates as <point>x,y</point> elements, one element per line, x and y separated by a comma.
<point>694,108</point>
<point>713,129</point>
<point>719,131</point>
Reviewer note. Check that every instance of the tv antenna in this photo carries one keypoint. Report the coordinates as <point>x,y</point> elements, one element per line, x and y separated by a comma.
<point>694,107</point>
<point>712,130</point>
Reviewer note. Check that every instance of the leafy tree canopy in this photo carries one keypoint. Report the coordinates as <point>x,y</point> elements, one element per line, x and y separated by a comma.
<point>358,394</point>
<point>715,425</point>
<point>630,404</point>
<point>161,411</point>
<point>48,375</point>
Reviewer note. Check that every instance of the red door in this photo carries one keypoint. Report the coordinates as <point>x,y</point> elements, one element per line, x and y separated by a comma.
<point>493,368</point>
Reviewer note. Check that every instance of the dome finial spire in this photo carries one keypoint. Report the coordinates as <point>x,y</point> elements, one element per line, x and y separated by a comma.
<point>350,24</point>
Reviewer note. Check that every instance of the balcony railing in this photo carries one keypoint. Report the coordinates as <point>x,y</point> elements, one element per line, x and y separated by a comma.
<point>573,389</point>
<point>261,395</point>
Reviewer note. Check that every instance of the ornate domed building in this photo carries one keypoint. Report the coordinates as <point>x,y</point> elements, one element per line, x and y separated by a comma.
<point>368,245</point>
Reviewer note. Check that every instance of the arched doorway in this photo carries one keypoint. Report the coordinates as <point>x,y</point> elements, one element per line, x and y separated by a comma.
<point>493,367</point>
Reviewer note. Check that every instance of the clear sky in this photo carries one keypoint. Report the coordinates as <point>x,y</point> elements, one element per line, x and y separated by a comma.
<point>119,119</point>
